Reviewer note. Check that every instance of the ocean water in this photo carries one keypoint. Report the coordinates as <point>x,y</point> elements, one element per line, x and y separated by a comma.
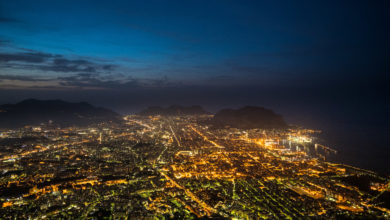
<point>361,136</point>
<point>363,145</point>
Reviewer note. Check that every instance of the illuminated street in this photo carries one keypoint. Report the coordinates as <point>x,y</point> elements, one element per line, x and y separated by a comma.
<point>168,167</point>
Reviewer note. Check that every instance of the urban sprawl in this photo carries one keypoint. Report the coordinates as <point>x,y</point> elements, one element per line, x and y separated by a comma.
<point>177,167</point>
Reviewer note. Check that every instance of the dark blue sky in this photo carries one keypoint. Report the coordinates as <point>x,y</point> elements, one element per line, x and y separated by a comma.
<point>217,53</point>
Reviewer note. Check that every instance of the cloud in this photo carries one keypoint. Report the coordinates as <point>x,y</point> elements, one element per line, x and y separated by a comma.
<point>33,57</point>
<point>66,65</point>
<point>72,72</point>
<point>51,62</point>
<point>108,67</point>
<point>22,78</point>
<point>91,80</point>
<point>83,73</point>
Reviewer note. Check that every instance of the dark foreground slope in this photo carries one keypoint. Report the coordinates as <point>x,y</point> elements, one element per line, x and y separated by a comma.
<point>35,112</point>
<point>248,117</point>
<point>174,110</point>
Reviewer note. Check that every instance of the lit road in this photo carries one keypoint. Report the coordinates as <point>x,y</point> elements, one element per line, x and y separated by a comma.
<point>205,138</point>
<point>209,210</point>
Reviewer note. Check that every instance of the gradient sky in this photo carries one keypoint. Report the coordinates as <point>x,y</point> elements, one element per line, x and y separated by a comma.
<point>217,53</point>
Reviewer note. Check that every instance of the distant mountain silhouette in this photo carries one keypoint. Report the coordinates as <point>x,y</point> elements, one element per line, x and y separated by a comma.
<point>248,117</point>
<point>35,112</point>
<point>174,110</point>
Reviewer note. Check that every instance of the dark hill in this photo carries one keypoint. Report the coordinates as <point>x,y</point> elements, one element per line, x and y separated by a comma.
<point>174,110</point>
<point>35,112</point>
<point>248,117</point>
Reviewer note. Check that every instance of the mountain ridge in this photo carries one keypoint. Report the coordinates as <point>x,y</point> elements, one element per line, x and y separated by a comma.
<point>35,112</point>
<point>248,117</point>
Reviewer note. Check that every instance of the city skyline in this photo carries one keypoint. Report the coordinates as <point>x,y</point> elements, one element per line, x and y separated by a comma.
<point>191,109</point>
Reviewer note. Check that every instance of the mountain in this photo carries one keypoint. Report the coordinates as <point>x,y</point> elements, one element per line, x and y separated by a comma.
<point>248,117</point>
<point>174,110</point>
<point>35,112</point>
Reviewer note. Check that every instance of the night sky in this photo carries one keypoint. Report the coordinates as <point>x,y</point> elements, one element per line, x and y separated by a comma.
<point>130,54</point>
